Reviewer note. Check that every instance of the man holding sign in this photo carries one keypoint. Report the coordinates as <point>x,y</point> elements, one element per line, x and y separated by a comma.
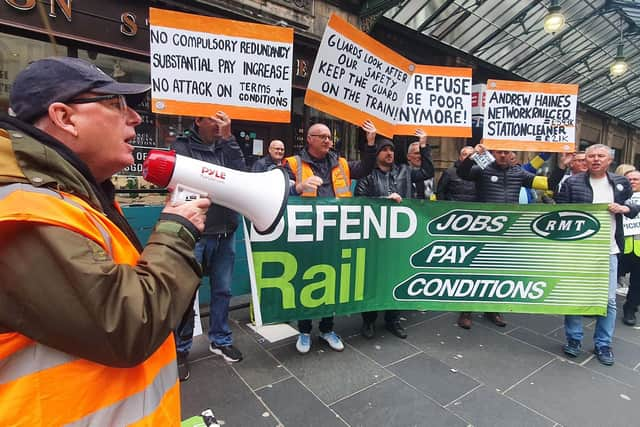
<point>318,171</point>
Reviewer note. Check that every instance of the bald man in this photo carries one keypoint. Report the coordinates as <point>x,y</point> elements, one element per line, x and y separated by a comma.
<point>273,159</point>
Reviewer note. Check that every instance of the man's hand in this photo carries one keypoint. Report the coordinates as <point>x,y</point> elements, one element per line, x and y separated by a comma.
<point>565,160</point>
<point>371,131</point>
<point>480,149</point>
<point>224,124</point>
<point>310,184</point>
<point>395,197</point>
<point>616,208</point>
<point>193,210</point>
<point>422,137</point>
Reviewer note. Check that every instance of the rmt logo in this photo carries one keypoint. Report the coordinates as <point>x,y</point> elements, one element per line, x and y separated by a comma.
<point>565,225</point>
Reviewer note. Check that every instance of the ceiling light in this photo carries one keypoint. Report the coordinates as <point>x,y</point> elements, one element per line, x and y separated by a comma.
<point>619,65</point>
<point>554,21</point>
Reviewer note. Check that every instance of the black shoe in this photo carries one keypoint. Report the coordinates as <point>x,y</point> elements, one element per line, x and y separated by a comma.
<point>183,366</point>
<point>368,330</point>
<point>604,355</point>
<point>396,329</point>
<point>629,316</point>
<point>229,352</point>
<point>572,348</point>
<point>496,319</point>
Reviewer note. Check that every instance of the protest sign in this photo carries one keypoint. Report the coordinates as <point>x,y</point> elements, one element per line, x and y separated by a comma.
<point>340,256</point>
<point>201,65</point>
<point>356,78</point>
<point>524,116</point>
<point>478,104</point>
<point>438,101</point>
<point>631,226</point>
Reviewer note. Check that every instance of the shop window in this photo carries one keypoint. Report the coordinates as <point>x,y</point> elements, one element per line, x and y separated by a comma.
<point>15,54</point>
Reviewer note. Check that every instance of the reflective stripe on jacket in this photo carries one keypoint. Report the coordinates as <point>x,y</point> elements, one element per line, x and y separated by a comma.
<point>340,178</point>
<point>43,386</point>
<point>632,245</point>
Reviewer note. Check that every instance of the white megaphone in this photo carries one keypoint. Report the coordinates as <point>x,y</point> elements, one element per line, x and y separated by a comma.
<point>259,196</point>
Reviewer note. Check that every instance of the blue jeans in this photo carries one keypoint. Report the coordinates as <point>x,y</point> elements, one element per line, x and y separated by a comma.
<point>216,254</point>
<point>605,325</point>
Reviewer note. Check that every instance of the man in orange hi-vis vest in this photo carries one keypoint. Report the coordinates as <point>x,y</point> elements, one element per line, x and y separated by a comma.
<point>86,312</point>
<point>318,171</point>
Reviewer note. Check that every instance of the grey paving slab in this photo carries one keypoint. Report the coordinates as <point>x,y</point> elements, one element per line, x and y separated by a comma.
<point>547,344</point>
<point>393,403</point>
<point>434,378</point>
<point>482,353</point>
<point>328,374</point>
<point>485,407</point>
<point>294,405</point>
<point>576,396</point>
<point>627,333</point>
<point>215,385</point>
<point>415,317</point>
<point>258,367</point>
<point>384,348</point>
<point>540,323</point>
<point>617,371</point>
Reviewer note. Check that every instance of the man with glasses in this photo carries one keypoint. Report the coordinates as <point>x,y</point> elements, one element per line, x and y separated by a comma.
<point>319,171</point>
<point>273,159</point>
<point>86,312</point>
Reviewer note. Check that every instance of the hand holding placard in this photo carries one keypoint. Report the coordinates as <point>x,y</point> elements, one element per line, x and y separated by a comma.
<point>371,131</point>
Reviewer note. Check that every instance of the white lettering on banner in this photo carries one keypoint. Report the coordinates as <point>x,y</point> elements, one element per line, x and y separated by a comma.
<point>353,222</point>
<point>476,288</point>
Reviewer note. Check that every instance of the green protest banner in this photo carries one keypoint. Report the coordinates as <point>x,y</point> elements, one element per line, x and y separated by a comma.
<point>330,256</point>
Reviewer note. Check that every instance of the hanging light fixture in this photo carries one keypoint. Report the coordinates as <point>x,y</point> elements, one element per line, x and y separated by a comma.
<point>619,65</point>
<point>554,21</point>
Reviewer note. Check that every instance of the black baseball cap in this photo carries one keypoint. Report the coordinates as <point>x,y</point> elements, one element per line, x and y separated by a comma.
<point>60,79</point>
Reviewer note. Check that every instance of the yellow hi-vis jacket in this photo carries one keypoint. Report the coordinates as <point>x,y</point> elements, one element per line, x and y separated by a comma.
<point>43,386</point>
<point>340,176</point>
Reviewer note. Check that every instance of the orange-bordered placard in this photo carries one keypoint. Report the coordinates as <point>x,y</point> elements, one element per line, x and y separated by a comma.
<point>200,65</point>
<point>356,78</point>
<point>438,101</point>
<point>530,116</point>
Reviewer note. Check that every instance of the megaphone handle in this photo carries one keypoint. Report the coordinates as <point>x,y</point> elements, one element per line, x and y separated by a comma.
<point>182,194</point>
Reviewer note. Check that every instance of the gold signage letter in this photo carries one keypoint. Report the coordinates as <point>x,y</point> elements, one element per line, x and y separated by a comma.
<point>65,7</point>
<point>129,26</point>
<point>22,5</point>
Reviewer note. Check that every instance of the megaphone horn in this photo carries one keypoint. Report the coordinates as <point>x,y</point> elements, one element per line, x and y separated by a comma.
<point>259,196</point>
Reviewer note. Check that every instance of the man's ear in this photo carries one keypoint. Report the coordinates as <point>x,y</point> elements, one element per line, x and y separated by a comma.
<point>60,115</point>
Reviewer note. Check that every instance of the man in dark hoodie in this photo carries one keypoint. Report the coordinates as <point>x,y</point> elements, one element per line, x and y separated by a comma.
<point>392,181</point>
<point>318,171</point>
<point>210,140</point>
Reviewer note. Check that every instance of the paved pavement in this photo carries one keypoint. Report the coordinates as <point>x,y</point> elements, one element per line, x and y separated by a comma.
<point>441,375</point>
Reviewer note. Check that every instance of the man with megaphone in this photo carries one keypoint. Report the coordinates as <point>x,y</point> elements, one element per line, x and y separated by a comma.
<point>210,140</point>
<point>318,171</point>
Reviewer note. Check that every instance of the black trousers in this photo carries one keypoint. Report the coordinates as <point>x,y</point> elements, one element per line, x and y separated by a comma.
<point>390,316</point>
<point>326,325</point>
<point>632,264</point>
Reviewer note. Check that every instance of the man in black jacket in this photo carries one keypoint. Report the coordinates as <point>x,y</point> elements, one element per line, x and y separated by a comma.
<point>392,181</point>
<point>452,187</point>
<point>210,140</point>
<point>499,182</point>
<point>598,185</point>
<point>273,159</point>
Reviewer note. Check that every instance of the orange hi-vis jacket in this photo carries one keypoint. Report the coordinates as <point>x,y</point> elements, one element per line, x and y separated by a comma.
<point>43,386</point>
<point>340,176</point>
